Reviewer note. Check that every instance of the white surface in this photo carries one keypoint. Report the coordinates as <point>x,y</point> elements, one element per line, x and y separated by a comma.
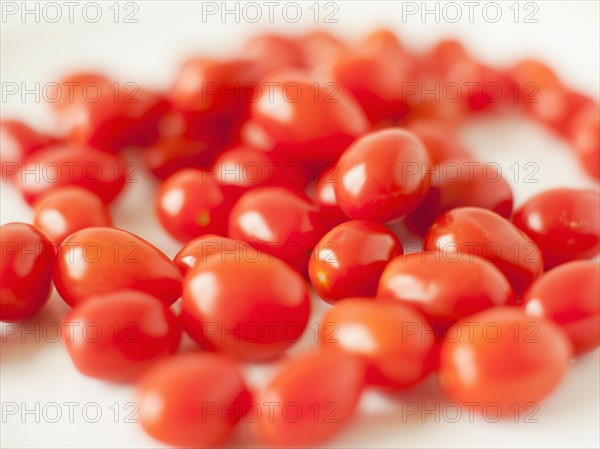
<point>566,37</point>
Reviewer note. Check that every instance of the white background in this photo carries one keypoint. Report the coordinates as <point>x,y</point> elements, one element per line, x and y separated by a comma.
<point>566,37</point>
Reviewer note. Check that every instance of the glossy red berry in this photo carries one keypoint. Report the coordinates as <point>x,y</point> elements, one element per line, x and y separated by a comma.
<point>429,282</point>
<point>459,183</point>
<point>26,267</point>
<point>173,153</point>
<point>383,176</point>
<point>312,398</point>
<point>503,357</point>
<point>63,211</point>
<point>568,295</point>
<point>192,400</point>
<point>145,111</point>
<point>393,340</point>
<point>395,61</point>
<point>470,230</point>
<point>253,308</point>
<point>191,203</point>
<point>58,166</point>
<point>279,222</point>
<point>214,97</point>
<point>376,85</point>
<point>97,261</point>
<point>564,223</point>
<point>308,122</point>
<point>241,169</point>
<point>117,336</point>
<point>350,258</point>
<point>109,115</point>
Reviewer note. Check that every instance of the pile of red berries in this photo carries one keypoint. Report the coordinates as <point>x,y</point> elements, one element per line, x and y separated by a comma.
<point>287,165</point>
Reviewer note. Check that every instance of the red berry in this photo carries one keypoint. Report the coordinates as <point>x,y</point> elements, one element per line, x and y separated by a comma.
<point>62,211</point>
<point>173,153</point>
<point>382,176</point>
<point>26,268</point>
<point>118,335</point>
<point>191,203</point>
<point>394,340</point>
<point>107,115</point>
<point>312,398</point>
<point>350,258</point>
<point>308,122</point>
<point>473,231</point>
<point>242,168</point>
<point>428,282</point>
<point>505,358</point>
<point>376,85</point>
<point>214,97</point>
<point>564,223</point>
<point>253,308</point>
<point>278,222</point>
<point>192,400</point>
<point>458,183</point>
<point>58,166</point>
<point>97,261</point>
<point>568,295</point>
